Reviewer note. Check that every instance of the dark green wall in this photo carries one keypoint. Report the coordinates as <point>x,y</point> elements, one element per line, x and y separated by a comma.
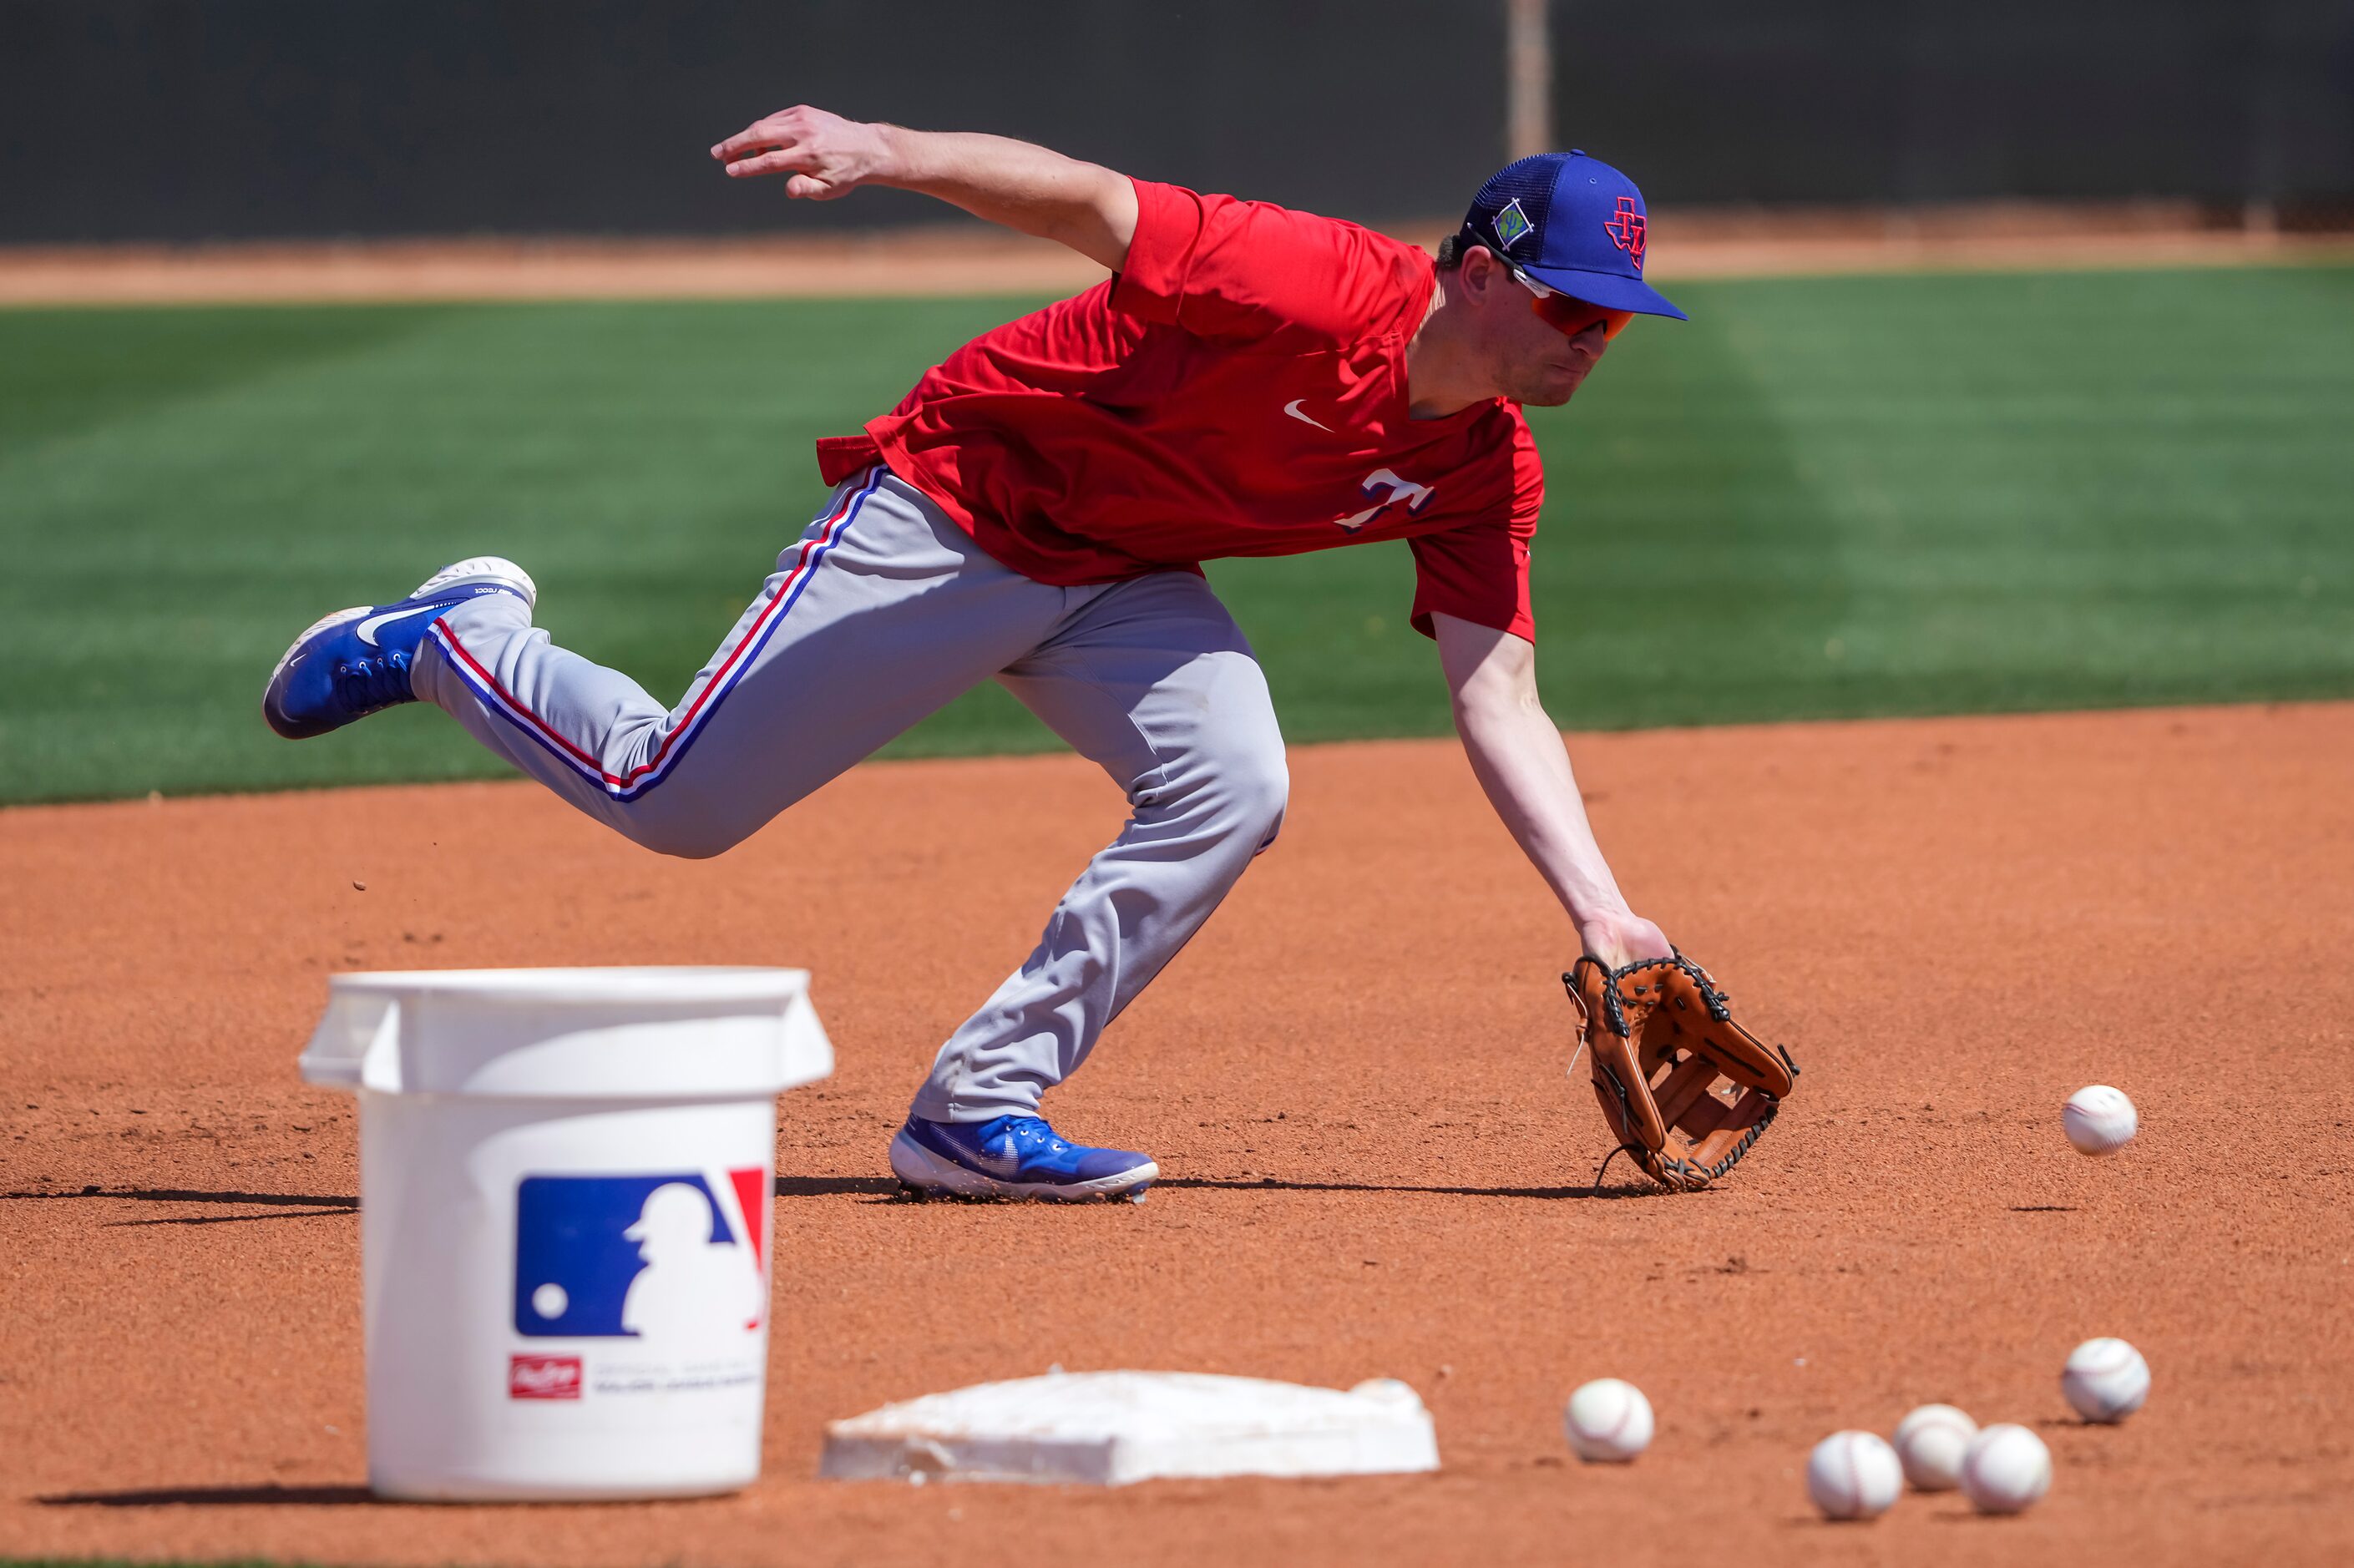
<point>183,120</point>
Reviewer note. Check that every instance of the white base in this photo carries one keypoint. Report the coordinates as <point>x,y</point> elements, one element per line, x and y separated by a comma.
<point>1111,1428</point>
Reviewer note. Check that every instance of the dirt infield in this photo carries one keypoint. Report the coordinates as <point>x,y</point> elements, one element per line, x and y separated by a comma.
<point>2011,236</point>
<point>1354,1080</point>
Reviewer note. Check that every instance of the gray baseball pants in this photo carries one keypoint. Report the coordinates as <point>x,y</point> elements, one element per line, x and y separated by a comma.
<point>883,611</point>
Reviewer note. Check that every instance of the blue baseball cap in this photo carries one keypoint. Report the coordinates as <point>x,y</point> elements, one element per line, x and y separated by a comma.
<point>1573,223</point>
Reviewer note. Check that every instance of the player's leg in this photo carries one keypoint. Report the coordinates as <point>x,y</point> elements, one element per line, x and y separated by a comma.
<point>1152,679</point>
<point>883,611</point>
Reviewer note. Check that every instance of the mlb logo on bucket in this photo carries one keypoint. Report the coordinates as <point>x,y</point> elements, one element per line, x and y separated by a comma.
<point>669,1256</point>
<point>543,1377</point>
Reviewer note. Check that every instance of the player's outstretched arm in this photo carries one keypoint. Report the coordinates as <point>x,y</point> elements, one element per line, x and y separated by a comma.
<point>1084,206</point>
<point>1522,765</point>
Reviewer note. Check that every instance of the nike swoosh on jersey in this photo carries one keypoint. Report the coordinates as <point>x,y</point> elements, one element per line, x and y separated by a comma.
<point>367,628</point>
<point>1292,408</point>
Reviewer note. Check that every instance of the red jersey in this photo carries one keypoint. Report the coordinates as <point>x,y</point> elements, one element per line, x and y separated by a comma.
<point>1238,389</point>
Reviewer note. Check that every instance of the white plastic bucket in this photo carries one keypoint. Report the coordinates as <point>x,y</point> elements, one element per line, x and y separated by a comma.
<point>565,1192</point>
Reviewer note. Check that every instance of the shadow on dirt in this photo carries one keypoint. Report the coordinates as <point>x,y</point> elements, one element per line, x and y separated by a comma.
<point>1275,1184</point>
<point>180,1195</point>
<point>837,1186</point>
<point>889,1188</point>
<point>289,1205</point>
<point>215,1497</point>
<point>299,1206</point>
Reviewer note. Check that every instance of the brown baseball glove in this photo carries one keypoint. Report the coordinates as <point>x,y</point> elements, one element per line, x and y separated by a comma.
<point>1662,1039</point>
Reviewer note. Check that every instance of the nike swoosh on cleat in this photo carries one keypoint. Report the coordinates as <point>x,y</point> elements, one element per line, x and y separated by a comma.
<point>367,628</point>
<point>1292,408</point>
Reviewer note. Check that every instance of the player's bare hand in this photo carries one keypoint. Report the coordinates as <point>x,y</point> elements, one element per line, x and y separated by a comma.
<point>1621,937</point>
<point>824,154</point>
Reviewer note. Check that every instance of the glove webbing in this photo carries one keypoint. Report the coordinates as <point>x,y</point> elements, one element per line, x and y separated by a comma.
<point>1677,1172</point>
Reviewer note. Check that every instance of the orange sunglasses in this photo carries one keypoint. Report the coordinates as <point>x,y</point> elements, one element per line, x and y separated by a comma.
<point>1565,314</point>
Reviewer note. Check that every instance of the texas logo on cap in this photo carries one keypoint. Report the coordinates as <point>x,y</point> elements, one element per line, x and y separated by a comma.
<point>1626,230</point>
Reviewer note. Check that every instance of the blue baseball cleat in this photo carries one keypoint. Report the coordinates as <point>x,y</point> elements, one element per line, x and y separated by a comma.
<point>1014,1157</point>
<point>356,660</point>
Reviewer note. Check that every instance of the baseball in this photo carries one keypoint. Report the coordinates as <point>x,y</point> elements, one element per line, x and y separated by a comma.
<point>1853,1475</point>
<point>2005,1470</point>
<point>2099,1120</point>
<point>1929,1445</point>
<point>1608,1421</point>
<point>2105,1379</point>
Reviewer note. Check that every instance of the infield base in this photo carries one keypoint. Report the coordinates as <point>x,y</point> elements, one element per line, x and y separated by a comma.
<point>1113,1427</point>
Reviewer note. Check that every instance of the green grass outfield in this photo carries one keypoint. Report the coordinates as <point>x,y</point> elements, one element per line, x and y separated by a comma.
<point>1821,497</point>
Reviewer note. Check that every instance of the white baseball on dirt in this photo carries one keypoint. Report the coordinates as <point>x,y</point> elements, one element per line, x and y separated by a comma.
<point>1853,1475</point>
<point>2005,1470</point>
<point>2099,1120</point>
<point>2105,1379</point>
<point>1929,1445</point>
<point>1608,1421</point>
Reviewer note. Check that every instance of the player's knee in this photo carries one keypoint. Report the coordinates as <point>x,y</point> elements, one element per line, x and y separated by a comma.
<point>1258,784</point>
<point>681,835</point>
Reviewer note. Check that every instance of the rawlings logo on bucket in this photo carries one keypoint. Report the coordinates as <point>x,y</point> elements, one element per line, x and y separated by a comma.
<point>544,1377</point>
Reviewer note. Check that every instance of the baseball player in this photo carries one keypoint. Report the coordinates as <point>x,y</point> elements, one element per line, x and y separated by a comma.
<point>1250,381</point>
